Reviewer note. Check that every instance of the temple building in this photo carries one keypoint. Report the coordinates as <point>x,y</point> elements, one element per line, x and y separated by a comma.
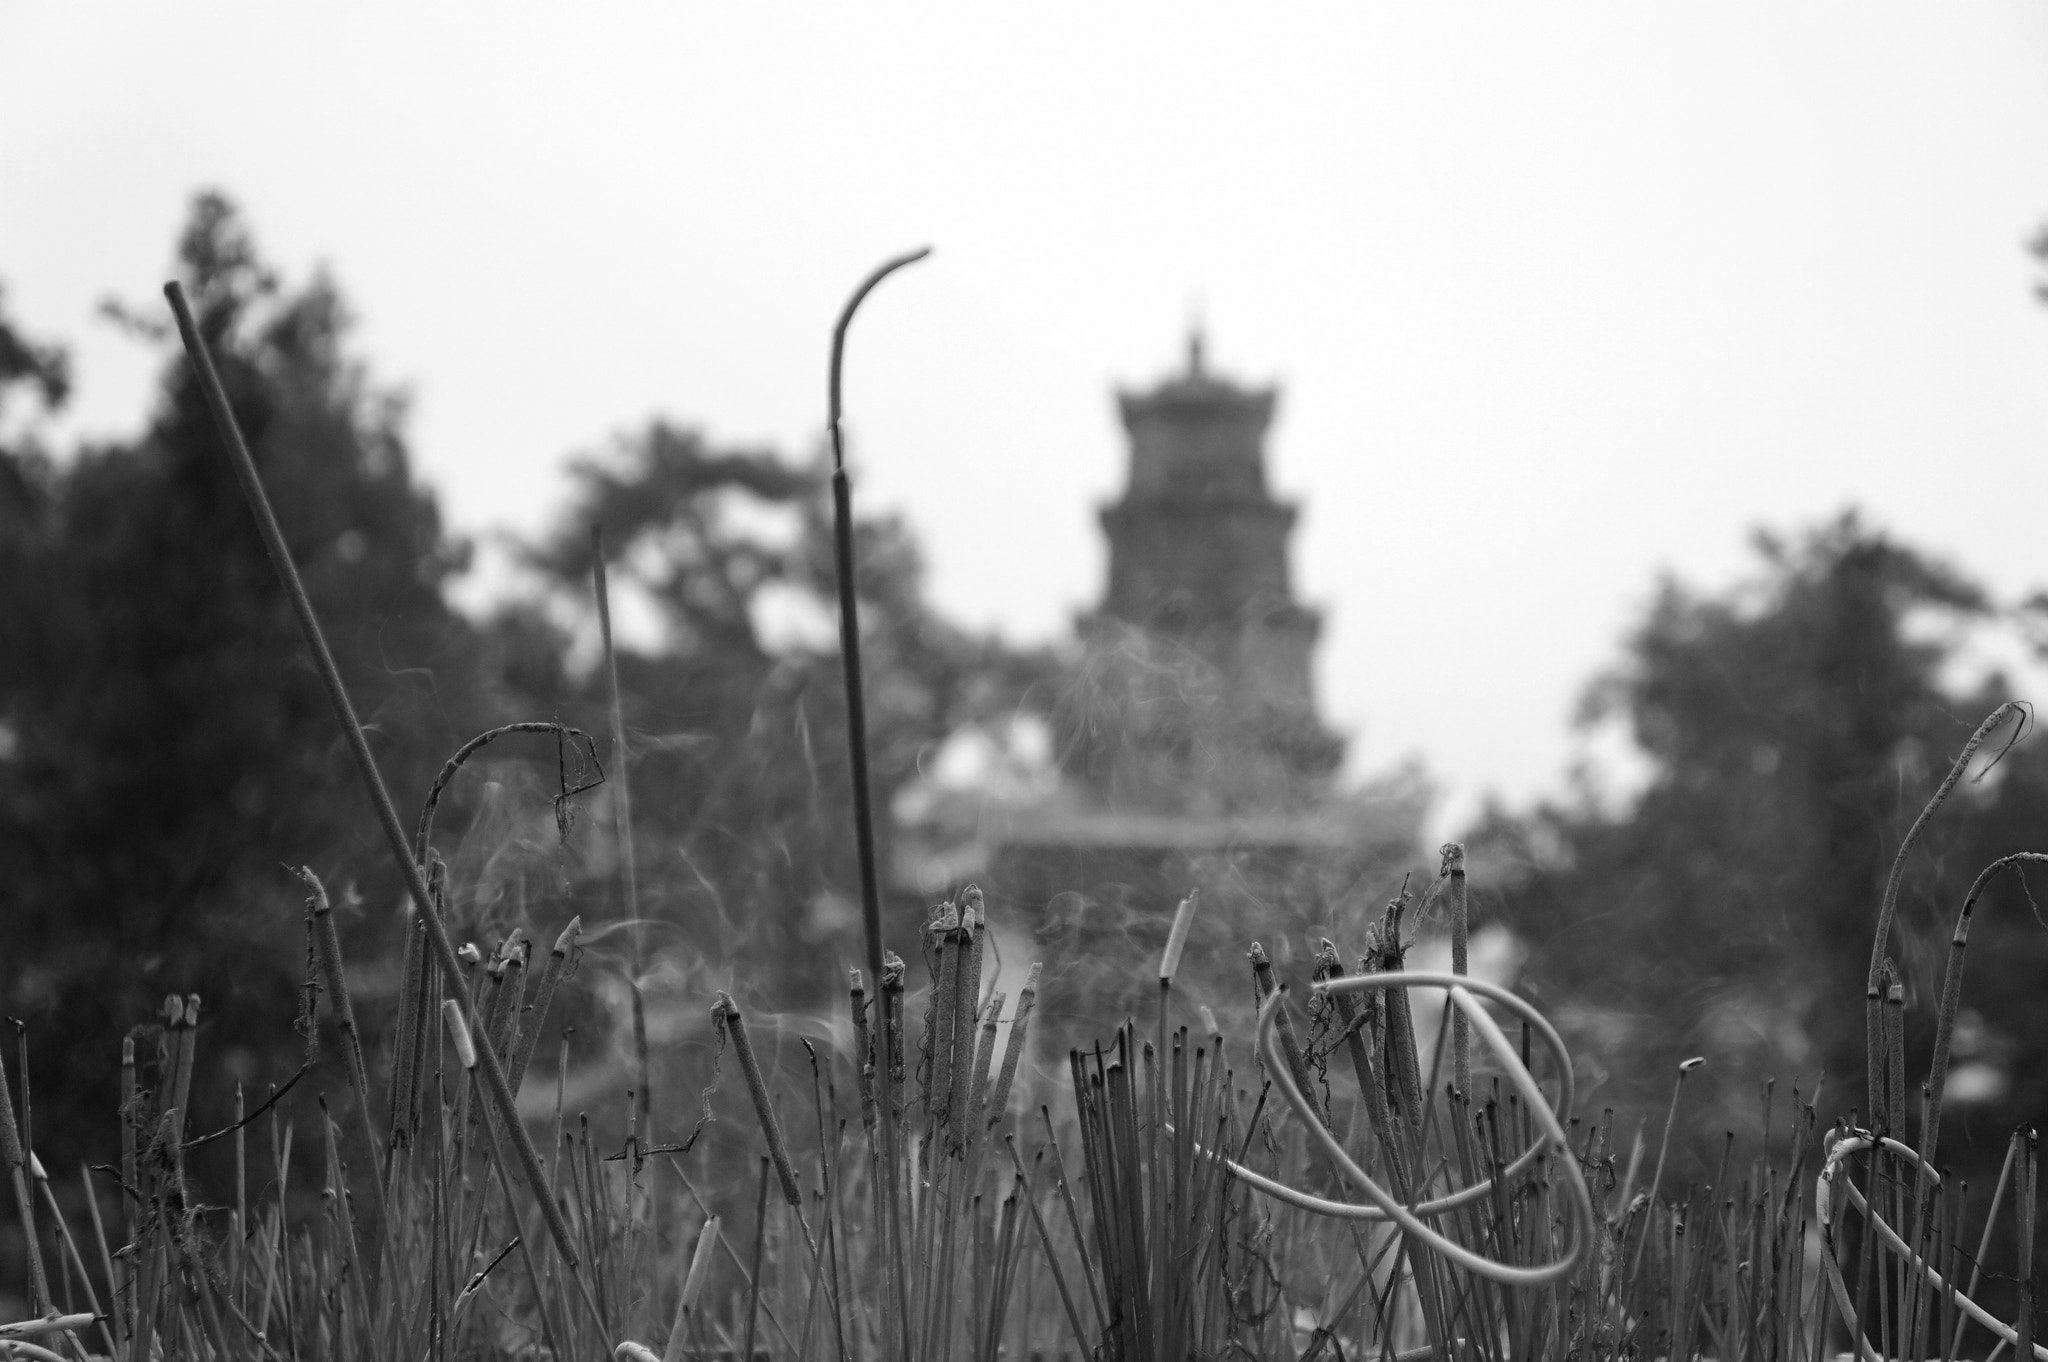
<point>1196,695</point>
<point>1188,744</point>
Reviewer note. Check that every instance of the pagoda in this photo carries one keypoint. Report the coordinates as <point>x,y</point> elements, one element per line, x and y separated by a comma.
<point>1195,695</point>
<point>1190,751</point>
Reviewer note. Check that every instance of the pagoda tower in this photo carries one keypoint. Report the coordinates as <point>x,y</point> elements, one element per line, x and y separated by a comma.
<point>1190,751</point>
<point>1196,694</point>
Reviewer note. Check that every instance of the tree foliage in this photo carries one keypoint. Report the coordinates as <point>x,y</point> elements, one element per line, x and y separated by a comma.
<point>1793,727</point>
<point>734,706</point>
<point>44,372</point>
<point>165,749</point>
<point>170,748</point>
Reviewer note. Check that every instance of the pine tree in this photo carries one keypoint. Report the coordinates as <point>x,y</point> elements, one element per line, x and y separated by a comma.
<point>170,748</point>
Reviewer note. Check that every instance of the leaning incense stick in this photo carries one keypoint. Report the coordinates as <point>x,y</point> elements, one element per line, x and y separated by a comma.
<point>359,747</point>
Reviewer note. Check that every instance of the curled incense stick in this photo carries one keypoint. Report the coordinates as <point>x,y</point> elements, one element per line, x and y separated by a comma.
<point>29,1328</point>
<point>726,1018</point>
<point>1888,905</point>
<point>1551,1142</point>
<point>1832,1181</point>
<point>1951,999</point>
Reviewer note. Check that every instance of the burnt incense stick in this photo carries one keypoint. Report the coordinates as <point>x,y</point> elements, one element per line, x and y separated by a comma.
<point>938,1040</point>
<point>865,1059</point>
<point>849,619</point>
<point>1297,1063</point>
<point>857,745</point>
<point>359,747</point>
<point>889,1053</point>
<point>332,969</point>
<point>1013,1051</point>
<point>857,735</point>
<point>1453,873</point>
<point>726,1017</point>
<point>406,1048</point>
<point>966,1012</point>
<point>560,961</point>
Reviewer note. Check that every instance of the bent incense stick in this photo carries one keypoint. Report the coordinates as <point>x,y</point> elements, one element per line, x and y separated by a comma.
<point>857,740</point>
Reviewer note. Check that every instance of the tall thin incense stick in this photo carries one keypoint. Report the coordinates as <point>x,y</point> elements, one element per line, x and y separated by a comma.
<point>857,750</point>
<point>366,762</point>
<point>622,803</point>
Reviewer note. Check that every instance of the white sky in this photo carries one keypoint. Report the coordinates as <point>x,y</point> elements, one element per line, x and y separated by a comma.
<point>1558,295</point>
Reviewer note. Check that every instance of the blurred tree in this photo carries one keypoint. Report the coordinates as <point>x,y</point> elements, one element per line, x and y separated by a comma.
<point>734,710</point>
<point>1793,728</point>
<point>44,371</point>
<point>24,363</point>
<point>168,745</point>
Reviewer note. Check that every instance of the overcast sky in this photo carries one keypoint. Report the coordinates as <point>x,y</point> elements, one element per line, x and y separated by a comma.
<point>1557,296</point>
